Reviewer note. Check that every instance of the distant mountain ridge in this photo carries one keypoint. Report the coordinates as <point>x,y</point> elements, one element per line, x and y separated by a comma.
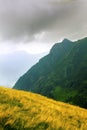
<point>61,75</point>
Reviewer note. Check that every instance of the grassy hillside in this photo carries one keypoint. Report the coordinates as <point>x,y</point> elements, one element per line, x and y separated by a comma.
<point>21,110</point>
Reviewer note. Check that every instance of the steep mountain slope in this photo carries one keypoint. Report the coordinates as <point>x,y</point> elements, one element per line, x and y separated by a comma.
<point>61,75</point>
<point>27,111</point>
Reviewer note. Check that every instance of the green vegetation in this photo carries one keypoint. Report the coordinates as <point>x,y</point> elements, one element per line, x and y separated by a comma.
<point>61,75</point>
<point>21,110</point>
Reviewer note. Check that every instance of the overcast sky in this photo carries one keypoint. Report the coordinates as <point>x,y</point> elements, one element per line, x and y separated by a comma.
<point>42,21</point>
<point>34,26</point>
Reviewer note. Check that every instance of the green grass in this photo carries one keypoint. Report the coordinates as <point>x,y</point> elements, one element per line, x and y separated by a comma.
<point>21,110</point>
<point>62,94</point>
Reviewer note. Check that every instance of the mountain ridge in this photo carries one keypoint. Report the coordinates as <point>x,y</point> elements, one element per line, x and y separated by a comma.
<point>61,74</point>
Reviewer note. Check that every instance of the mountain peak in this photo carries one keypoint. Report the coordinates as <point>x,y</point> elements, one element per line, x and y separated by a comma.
<point>62,46</point>
<point>66,40</point>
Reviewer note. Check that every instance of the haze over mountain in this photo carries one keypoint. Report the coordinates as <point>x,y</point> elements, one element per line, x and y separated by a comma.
<point>15,64</point>
<point>61,75</point>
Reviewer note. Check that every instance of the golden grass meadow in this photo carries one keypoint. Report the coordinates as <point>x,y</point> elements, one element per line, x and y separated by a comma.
<point>21,110</point>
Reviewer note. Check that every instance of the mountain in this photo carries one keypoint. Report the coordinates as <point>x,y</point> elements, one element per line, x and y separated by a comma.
<point>61,75</point>
<point>21,110</point>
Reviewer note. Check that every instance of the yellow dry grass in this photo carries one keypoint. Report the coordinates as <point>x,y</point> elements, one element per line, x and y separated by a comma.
<point>21,110</point>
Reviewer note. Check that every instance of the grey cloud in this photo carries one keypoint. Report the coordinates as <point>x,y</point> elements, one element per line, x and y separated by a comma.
<point>22,20</point>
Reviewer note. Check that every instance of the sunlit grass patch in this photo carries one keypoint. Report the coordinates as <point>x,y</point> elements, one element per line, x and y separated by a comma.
<point>21,110</point>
